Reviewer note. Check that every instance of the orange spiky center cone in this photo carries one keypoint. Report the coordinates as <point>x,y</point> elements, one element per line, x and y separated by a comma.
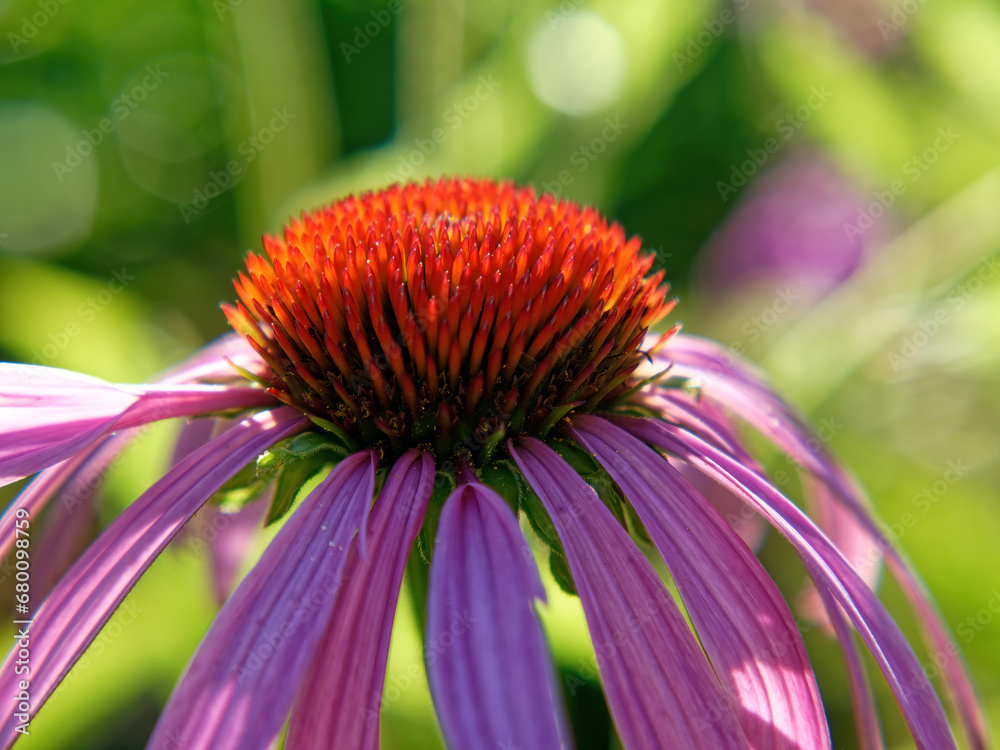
<point>449,314</point>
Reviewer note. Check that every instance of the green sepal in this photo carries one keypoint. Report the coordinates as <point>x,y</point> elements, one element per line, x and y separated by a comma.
<point>245,373</point>
<point>559,567</point>
<point>540,521</point>
<point>243,487</point>
<point>634,526</point>
<point>291,478</point>
<point>444,485</point>
<point>295,448</point>
<point>348,442</point>
<point>582,462</point>
<point>503,478</point>
<point>418,573</point>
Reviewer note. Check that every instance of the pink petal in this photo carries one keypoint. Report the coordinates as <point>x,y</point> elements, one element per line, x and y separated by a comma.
<point>729,383</point>
<point>917,699</point>
<point>166,401</point>
<point>487,661</point>
<point>70,477</point>
<point>854,542</point>
<point>732,384</point>
<point>707,421</point>
<point>69,524</point>
<point>738,613</point>
<point>211,362</point>
<point>47,415</point>
<point>869,730</point>
<point>86,597</point>
<point>660,688</point>
<point>338,703</point>
<point>238,688</point>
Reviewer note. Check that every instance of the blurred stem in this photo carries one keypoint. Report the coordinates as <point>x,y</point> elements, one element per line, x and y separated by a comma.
<point>286,68</point>
<point>430,48</point>
<point>864,315</point>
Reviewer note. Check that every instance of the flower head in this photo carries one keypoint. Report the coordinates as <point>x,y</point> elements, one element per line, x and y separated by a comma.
<point>449,313</point>
<point>467,355</point>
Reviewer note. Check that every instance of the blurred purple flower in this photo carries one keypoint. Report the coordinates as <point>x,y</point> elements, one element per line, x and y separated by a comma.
<point>789,228</point>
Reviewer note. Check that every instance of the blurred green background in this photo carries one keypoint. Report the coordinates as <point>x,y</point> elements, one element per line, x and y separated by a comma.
<point>819,178</point>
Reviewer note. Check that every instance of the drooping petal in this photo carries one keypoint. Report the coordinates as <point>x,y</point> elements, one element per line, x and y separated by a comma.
<point>853,541</point>
<point>913,691</point>
<point>76,474</point>
<point>339,702</point>
<point>71,477</point>
<point>739,614</point>
<point>69,522</point>
<point>660,688</point>
<point>163,402</point>
<point>487,661</point>
<point>866,720</point>
<point>733,384</point>
<point>88,594</point>
<point>47,415</point>
<point>238,688</point>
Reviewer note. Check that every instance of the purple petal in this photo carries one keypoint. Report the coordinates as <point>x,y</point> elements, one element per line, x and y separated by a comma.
<point>211,362</point>
<point>660,687</point>
<point>732,384</point>
<point>853,541</point>
<point>90,463</point>
<point>238,688</point>
<point>917,699</point>
<point>47,415</point>
<point>86,597</point>
<point>738,613</point>
<point>866,719</point>
<point>338,704</point>
<point>487,661</point>
<point>69,524</point>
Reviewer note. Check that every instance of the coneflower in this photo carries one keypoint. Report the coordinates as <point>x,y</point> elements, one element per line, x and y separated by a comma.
<point>445,359</point>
